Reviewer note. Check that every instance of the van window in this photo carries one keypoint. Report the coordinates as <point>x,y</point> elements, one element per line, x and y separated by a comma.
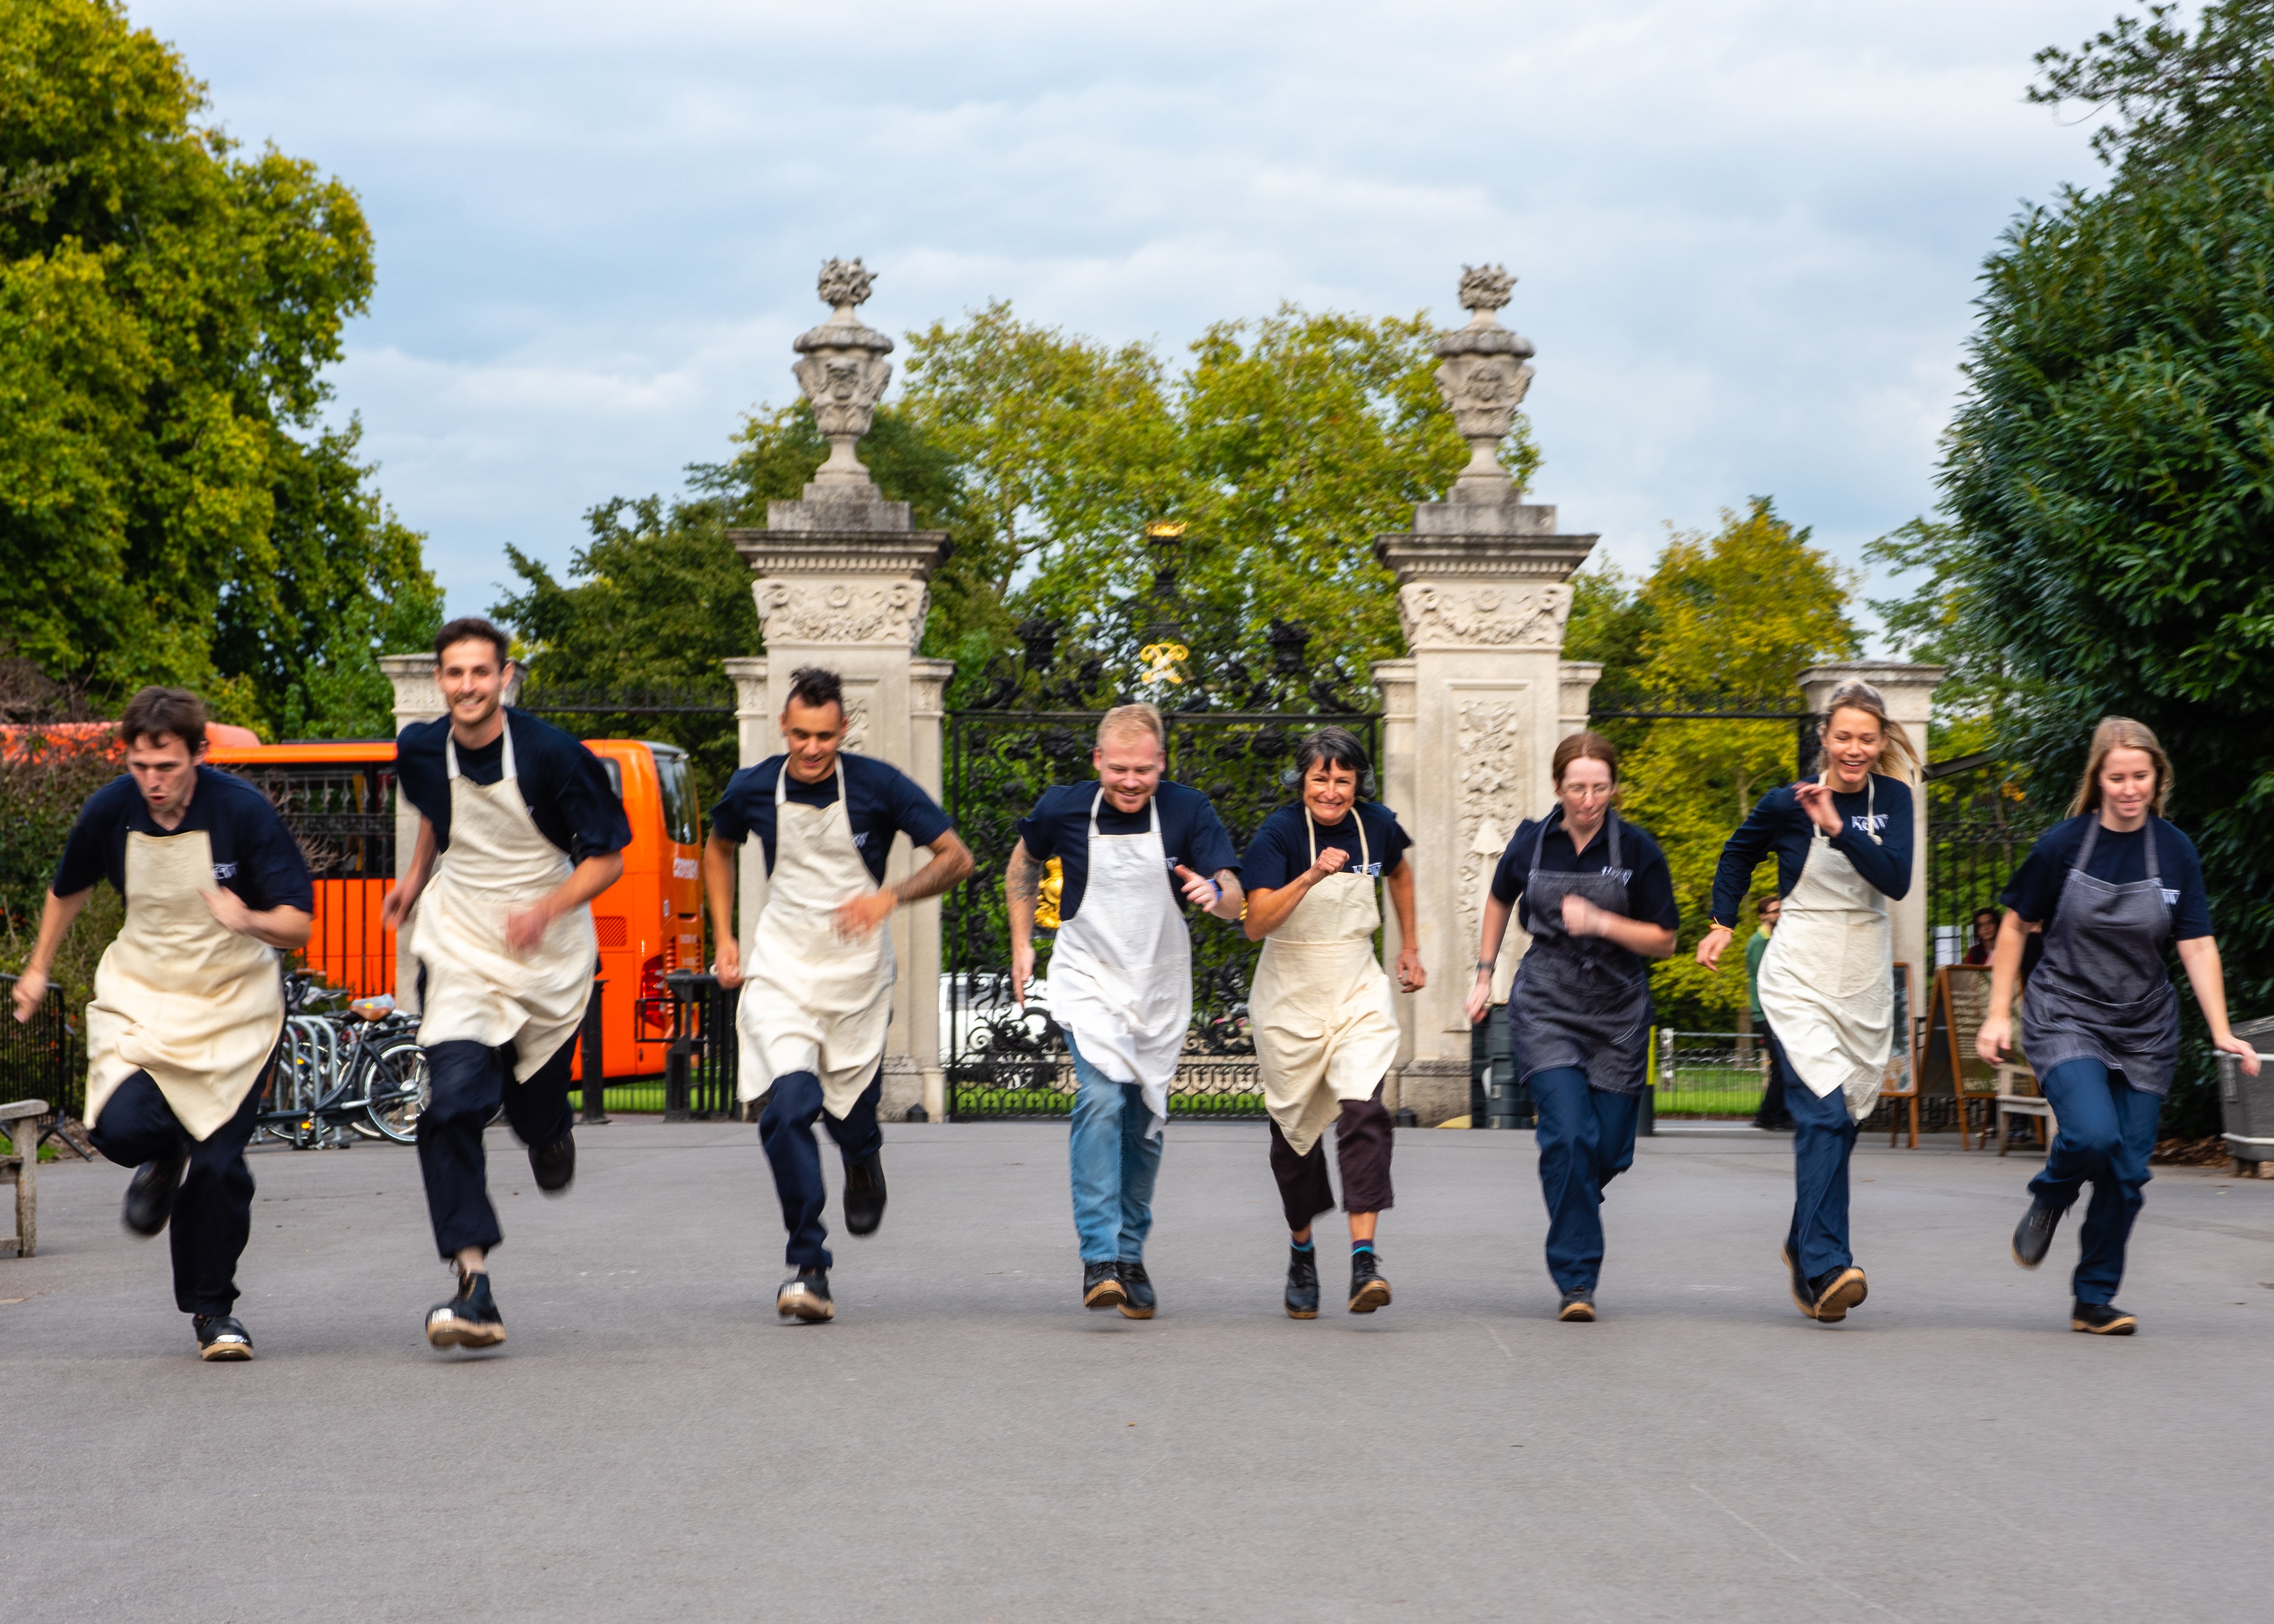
<point>678,784</point>
<point>615,768</point>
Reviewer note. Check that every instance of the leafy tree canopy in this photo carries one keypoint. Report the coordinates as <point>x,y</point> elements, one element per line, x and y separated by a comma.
<point>169,508</point>
<point>1755,603</point>
<point>2107,545</point>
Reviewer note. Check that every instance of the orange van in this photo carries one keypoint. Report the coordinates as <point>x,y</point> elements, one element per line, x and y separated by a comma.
<point>338,799</point>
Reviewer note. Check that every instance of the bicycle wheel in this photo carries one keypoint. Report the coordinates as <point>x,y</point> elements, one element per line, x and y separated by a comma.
<point>399,1092</point>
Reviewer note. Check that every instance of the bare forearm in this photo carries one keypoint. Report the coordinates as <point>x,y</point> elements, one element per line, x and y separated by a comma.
<point>1023,888</point>
<point>1638,935</point>
<point>950,865</point>
<point>1494,931</point>
<point>1401,903</point>
<point>2205,974</point>
<point>718,887</point>
<point>2006,963</point>
<point>1229,897</point>
<point>56,917</point>
<point>585,882</point>
<point>280,927</point>
<point>1269,905</point>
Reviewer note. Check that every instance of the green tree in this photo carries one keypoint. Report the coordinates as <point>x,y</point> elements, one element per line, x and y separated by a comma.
<point>169,509</point>
<point>2109,478</point>
<point>1745,609</point>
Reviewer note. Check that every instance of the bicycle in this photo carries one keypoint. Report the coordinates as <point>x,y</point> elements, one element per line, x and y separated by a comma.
<point>361,1071</point>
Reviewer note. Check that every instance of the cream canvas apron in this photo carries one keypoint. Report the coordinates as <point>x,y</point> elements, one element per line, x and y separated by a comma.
<point>1827,981</point>
<point>1325,1023</point>
<point>813,1001</point>
<point>178,994</point>
<point>498,862</point>
<point>1121,975</point>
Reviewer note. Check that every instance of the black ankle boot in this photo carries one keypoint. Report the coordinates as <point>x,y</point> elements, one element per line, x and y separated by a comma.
<point>1302,1282</point>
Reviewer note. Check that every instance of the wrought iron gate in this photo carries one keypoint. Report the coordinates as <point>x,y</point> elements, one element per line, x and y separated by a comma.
<point>1003,1061</point>
<point>1981,822</point>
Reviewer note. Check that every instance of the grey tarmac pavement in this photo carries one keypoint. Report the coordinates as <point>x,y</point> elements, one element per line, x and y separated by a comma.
<point>966,1443</point>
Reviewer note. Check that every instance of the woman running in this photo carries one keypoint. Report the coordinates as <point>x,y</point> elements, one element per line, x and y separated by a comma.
<point>2111,887</point>
<point>1326,1027</point>
<point>1843,848</point>
<point>1598,901</point>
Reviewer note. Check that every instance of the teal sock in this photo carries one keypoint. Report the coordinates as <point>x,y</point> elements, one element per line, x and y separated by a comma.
<point>1301,1245</point>
<point>1358,1246</point>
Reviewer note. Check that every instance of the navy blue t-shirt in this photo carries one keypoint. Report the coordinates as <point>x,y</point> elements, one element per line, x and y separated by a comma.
<point>886,801</point>
<point>563,784</point>
<point>253,855</point>
<point>1650,884</point>
<point>1191,835</point>
<point>2035,891</point>
<point>1778,824</point>
<point>1281,850</point>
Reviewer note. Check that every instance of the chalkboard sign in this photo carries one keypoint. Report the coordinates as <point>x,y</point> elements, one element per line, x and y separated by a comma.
<point>1948,1063</point>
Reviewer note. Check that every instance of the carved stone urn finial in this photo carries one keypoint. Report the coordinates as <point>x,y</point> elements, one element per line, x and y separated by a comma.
<point>842,370</point>
<point>1483,376</point>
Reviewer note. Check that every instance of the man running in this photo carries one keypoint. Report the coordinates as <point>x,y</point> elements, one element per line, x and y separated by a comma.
<point>518,830</point>
<point>1128,844</point>
<point>817,993</point>
<point>188,1003</point>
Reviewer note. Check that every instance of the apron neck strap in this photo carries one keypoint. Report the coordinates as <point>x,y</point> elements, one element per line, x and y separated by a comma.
<point>505,760</point>
<point>2092,839</point>
<point>1098,800</point>
<point>781,786</point>
<point>1312,830</point>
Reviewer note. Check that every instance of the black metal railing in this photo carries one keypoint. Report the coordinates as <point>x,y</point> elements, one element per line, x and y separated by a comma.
<point>343,814</point>
<point>45,1057</point>
<point>702,1057</point>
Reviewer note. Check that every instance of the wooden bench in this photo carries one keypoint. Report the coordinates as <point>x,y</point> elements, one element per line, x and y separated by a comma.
<point>21,1123</point>
<point>2018,1095</point>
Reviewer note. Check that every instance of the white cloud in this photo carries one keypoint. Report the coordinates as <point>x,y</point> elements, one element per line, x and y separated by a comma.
<point>1747,230</point>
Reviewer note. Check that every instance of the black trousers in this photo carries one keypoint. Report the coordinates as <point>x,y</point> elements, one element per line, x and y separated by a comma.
<point>785,1130</point>
<point>213,1210</point>
<point>469,1080</point>
<point>1364,1134</point>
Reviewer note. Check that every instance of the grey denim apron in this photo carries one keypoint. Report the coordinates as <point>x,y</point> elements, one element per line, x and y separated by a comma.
<point>1572,1004</point>
<point>2101,991</point>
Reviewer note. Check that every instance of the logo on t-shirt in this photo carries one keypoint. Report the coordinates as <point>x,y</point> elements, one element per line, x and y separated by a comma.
<point>1864,825</point>
<point>2171,897</point>
<point>228,871</point>
<point>861,841</point>
<point>1372,870</point>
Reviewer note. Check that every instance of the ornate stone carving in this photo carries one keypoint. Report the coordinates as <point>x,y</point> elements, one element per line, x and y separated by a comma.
<point>843,372</point>
<point>857,610</point>
<point>1483,375</point>
<point>1490,783</point>
<point>1491,616</point>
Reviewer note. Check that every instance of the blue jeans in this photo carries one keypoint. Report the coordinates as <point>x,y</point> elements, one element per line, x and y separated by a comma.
<point>2107,1129</point>
<point>1114,1165</point>
<point>786,1131</point>
<point>1586,1138</point>
<point>1823,1138</point>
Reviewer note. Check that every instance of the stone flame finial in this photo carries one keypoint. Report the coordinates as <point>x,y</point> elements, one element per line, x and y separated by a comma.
<point>843,372</point>
<point>1483,287</point>
<point>1483,376</point>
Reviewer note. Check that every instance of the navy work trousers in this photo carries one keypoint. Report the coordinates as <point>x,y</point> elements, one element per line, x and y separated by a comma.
<point>212,1210</point>
<point>469,1081</point>
<point>1823,1138</point>
<point>1586,1138</point>
<point>786,1130</point>
<point>2106,1132</point>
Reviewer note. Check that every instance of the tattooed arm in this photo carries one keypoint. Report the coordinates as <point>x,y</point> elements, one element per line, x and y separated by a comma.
<point>1023,888</point>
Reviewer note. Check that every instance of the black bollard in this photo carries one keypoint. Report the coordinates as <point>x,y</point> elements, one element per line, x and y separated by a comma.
<point>595,1060</point>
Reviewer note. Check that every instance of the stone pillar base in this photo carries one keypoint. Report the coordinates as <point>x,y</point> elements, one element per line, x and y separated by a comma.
<point>1434,1091</point>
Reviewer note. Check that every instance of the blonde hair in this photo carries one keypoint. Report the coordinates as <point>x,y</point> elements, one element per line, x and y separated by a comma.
<point>1898,758</point>
<point>2121,732</point>
<point>1137,718</point>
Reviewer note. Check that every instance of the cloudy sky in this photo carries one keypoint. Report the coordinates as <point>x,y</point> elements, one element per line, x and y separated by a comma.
<point>1746,230</point>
